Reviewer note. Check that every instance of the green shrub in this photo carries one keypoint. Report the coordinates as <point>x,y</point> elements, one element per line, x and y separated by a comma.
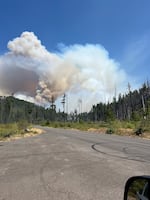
<point>69,125</point>
<point>56,125</point>
<point>109,131</point>
<point>47,123</point>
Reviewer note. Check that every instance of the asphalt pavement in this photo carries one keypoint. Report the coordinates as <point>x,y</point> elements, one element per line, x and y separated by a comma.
<point>70,165</point>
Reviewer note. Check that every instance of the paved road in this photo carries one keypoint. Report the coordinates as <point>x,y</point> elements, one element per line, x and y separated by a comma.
<point>70,165</point>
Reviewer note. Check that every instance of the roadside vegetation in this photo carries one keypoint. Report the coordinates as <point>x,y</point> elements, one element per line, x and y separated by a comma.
<point>129,128</point>
<point>84,126</point>
<point>11,129</point>
<point>16,130</point>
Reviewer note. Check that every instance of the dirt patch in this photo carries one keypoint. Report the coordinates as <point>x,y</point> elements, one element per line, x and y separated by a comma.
<point>99,130</point>
<point>125,131</point>
<point>146,135</point>
<point>34,131</point>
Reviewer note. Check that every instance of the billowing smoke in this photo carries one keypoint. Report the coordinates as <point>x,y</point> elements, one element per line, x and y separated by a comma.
<point>84,71</point>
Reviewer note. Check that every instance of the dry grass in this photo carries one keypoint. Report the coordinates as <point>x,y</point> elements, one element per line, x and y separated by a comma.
<point>98,130</point>
<point>29,133</point>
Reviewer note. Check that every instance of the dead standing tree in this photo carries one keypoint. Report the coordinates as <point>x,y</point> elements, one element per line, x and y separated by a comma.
<point>53,108</point>
<point>63,103</point>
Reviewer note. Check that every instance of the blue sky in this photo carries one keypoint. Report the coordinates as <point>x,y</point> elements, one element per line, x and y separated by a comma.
<point>122,27</point>
<point>115,24</point>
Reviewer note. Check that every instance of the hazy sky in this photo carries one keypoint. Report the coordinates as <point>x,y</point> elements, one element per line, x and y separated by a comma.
<point>120,27</point>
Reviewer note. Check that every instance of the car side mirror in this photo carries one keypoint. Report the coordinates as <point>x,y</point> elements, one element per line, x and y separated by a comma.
<point>137,188</point>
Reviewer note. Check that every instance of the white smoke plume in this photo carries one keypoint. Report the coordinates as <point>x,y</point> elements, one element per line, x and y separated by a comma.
<point>83,71</point>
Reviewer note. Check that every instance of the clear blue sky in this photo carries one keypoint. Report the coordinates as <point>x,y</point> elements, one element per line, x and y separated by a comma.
<point>121,26</point>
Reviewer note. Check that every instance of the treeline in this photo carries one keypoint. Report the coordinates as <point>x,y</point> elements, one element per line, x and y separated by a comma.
<point>132,106</point>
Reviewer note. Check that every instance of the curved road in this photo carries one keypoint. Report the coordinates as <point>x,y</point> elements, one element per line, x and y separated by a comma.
<point>70,165</point>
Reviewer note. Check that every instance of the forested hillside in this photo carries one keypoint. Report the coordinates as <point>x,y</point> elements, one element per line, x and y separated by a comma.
<point>14,110</point>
